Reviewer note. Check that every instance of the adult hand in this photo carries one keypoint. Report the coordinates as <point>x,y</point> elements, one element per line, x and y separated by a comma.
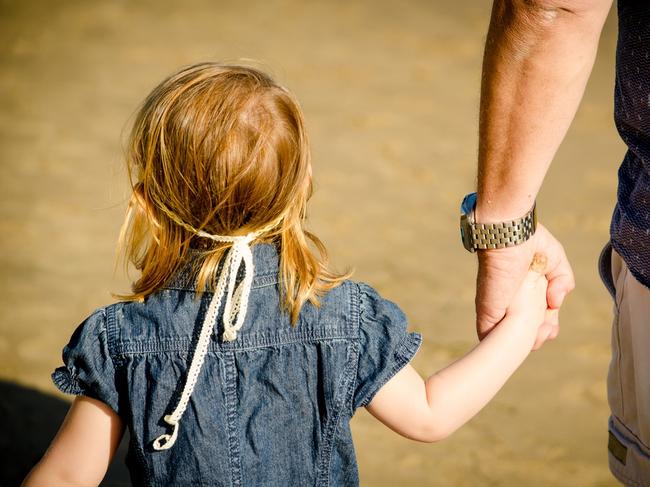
<point>501,271</point>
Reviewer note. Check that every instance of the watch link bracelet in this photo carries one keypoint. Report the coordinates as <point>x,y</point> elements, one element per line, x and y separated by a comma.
<point>477,236</point>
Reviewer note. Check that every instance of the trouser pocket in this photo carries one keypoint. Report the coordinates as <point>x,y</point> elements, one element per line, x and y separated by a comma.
<point>605,269</point>
<point>611,273</point>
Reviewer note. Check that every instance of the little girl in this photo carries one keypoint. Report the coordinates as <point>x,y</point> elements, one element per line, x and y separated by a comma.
<point>239,358</point>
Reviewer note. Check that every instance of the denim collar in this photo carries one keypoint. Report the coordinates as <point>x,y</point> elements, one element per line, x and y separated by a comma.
<point>265,260</point>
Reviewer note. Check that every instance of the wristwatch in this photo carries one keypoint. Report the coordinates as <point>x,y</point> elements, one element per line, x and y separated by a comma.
<point>493,235</point>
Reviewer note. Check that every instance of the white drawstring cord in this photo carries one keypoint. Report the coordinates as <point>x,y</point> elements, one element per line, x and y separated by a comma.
<point>234,314</point>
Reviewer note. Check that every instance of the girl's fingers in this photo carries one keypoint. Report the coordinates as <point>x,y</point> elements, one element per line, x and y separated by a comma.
<point>548,330</point>
<point>552,319</point>
<point>542,335</point>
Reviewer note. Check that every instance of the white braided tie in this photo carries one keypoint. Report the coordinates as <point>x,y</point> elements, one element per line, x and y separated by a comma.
<point>234,314</point>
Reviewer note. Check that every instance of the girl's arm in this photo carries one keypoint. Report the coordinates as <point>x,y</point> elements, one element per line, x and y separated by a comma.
<point>82,449</point>
<point>433,409</point>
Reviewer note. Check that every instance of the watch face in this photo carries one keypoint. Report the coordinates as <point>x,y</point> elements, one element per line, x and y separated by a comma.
<point>466,233</point>
<point>468,204</point>
<point>466,209</point>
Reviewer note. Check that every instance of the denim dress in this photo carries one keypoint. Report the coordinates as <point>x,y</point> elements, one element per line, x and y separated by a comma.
<point>272,407</point>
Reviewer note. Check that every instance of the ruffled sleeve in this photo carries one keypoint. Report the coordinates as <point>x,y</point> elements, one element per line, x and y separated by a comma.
<point>385,344</point>
<point>88,366</point>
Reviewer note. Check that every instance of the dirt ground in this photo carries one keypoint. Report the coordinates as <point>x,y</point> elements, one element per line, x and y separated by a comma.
<point>390,93</point>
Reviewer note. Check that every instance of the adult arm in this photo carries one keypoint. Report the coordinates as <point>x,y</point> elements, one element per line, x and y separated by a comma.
<point>82,449</point>
<point>538,57</point>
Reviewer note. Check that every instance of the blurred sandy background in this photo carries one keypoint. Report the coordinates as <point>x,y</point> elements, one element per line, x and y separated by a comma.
<point>390,93</point>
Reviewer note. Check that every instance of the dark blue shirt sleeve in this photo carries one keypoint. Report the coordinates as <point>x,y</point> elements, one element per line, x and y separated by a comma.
<point>385,345</point>
<point>88,366</point>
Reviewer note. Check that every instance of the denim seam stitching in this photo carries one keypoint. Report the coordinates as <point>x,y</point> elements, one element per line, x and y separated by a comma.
<point>336,422</point>
<point>111,329</point>
<point>259,282</point>
<point>355,317</point>
<point>112,333</point>
<point>332,426</point>
<point>135,347</point>
<point>231,418</point>
<point>344,388</point>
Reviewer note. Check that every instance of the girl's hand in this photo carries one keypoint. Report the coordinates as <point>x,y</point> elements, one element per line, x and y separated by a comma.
<point>529,303</point>
<point>431,410</point>
<point>500,272</point>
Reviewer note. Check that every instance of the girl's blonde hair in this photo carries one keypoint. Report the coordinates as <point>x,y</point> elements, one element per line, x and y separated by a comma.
<point>223,149</point>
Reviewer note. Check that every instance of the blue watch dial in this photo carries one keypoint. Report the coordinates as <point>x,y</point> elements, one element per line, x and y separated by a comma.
<point>468,204</point>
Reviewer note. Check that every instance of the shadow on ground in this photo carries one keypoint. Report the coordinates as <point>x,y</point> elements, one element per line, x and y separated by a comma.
<point>30,419</point>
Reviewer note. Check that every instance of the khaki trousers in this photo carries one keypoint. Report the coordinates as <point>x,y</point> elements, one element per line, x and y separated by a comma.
<point>628,380</point>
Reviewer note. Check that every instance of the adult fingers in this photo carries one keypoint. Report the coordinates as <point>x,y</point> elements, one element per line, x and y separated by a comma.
<point>558,288</point>
<point>561,280</point>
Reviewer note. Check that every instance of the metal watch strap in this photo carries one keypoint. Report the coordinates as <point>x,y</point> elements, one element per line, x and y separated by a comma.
<point>503,234</point>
